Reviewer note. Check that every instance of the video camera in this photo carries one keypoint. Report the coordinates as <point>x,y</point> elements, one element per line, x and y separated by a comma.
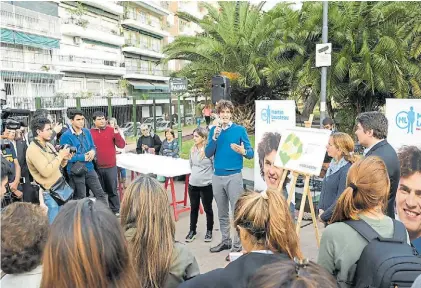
<point>5,144</point>
<point>72,149</point>
<point>13,119</point>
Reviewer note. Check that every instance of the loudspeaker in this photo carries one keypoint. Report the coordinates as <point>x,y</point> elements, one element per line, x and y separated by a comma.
<point>221,88</point>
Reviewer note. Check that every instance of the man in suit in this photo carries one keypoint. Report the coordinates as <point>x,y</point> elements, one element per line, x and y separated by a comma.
<point>371,133</point>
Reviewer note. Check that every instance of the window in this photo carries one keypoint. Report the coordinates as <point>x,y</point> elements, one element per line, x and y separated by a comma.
<point>94,86</point>
<point>43,88</point>
<point>111,86</point>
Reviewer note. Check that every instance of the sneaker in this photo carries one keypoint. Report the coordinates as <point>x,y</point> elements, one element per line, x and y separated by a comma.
<point>117,214</point>
<point>191,236</point>
<point>208,236</point>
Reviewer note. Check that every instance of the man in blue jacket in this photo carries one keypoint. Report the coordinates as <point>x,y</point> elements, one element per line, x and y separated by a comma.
<point>81,138</point>
<point>228,143</point>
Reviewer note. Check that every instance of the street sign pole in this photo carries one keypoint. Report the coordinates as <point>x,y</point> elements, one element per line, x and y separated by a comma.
<point>324,68</point>
<point>178,86</point>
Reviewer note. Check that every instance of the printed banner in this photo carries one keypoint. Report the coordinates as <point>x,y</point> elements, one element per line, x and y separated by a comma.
<point>272,116</point>
<point>303,150</point>
<point>404,120</point>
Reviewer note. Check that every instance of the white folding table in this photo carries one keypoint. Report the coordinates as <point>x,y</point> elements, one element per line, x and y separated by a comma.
<point>159,165</point>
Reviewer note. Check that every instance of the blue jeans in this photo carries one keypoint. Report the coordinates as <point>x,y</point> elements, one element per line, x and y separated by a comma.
<point>122,172</point>
<point>52,205</point>
<point>198,119</point>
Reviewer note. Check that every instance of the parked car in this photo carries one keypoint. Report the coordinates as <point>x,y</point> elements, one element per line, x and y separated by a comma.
<point>162,126</point>
<point>128,125</point>
<point>149,121</point>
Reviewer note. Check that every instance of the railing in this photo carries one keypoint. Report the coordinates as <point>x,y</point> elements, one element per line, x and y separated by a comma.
<point>93,61</point>
<point>143,46</point>
<point>21,59</point>
<point>27,20</point>
<point>86,24</point>
<point>153,72</point>
<point>143,19</point>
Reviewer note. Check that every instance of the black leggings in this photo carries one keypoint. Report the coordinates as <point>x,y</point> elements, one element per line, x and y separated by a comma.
<point>207,119</point>
<point>206,193</point>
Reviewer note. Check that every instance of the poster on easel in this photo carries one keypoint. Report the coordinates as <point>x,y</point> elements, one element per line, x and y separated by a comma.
<point>272,116</point>
<point>404,122</point>
<point>301,151</point>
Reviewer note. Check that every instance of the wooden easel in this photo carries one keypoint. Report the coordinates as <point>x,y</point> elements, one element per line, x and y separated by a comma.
<point>306,193</point>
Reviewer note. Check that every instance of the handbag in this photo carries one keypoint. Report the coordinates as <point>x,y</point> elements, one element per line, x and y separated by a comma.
<point>78,169</point>
<point>61,191</point>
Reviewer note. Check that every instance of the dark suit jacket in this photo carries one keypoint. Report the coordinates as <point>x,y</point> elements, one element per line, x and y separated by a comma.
<point>390,158</point>
<point>21,148</point>
<point>236,275</point>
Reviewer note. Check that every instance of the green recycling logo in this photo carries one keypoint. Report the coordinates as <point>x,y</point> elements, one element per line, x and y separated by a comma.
<point>291,149</point>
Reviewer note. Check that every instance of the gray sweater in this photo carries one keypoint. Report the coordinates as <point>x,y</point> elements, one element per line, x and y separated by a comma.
<point>201,169</point>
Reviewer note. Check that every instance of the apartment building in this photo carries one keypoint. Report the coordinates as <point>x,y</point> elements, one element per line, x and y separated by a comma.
<point>90,54</point>
<point>182,27</point>
<point>144,26</point>
<point>30,41</point>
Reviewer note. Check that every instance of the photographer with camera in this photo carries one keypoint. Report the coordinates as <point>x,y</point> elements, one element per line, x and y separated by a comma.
<point>45,164</point>
<point>81,167</point>
<point>8,151</point>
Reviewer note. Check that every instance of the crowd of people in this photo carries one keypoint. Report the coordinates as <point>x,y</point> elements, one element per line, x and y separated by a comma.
<point>80,235</point>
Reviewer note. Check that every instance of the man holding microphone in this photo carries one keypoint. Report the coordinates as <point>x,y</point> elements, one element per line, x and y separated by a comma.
<point>228,143</point>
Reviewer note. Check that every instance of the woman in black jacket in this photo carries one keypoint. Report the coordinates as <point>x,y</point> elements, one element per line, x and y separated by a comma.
<point>267,235</point>
<point>341,149</point>
<point>148,142</point>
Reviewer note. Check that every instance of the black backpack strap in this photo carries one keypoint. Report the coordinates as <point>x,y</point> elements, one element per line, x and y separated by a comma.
<point>399,232</point>
<point>365,230</point>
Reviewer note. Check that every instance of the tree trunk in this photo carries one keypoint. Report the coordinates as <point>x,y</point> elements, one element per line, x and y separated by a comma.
<point>309,105</point>
<point>330,109</point>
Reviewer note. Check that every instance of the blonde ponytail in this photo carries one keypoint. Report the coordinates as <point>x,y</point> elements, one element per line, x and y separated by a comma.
<point>267,219</point>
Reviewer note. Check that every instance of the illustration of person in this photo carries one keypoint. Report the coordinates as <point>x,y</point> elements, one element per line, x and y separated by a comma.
<point>411,120</point>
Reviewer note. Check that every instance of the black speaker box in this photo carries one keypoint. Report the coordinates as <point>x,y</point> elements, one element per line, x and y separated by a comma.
<point>221,88</point>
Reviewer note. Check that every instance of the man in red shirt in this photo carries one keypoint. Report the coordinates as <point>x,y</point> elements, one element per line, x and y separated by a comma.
<point>106,139</point>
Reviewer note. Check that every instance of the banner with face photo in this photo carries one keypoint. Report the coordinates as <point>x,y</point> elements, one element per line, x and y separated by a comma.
<point>272,116</point>
<point>404,122</point>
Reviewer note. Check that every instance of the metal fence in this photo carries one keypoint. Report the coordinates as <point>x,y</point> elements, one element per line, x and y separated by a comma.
<point>124,109</point>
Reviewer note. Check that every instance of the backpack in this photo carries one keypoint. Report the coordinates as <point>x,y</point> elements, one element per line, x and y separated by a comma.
<point>385,262</point>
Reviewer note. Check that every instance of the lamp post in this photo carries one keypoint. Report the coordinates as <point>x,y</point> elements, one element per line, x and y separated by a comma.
<point>324,68</point>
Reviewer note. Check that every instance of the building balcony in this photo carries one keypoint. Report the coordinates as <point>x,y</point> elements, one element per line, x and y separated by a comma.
<point>71,63</point>
<point>82,28</point>
<point>109,6</point>
<point>191,9</point>
<point>28,21</point>
<point>147,74</point>
<point>142,49</point>
<point>145,25</point>
<point>154,6</point>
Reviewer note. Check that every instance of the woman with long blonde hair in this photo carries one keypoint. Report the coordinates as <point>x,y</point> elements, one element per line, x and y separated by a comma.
<point>200,184</point>
<point>341,149</point>
<point>160,261</point>
<point>364,198</point>
<point>267,235</point>
<point>86,248</point>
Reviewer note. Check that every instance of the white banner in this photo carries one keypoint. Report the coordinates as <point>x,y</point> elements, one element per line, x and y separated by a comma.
<point>303,150</point>
<point>272,116</point>
<point>404,120</point>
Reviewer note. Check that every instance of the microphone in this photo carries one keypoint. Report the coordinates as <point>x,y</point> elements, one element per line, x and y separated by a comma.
<point>219,125</point>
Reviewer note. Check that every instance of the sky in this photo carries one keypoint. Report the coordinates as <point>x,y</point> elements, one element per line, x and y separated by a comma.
<point>269,4</point>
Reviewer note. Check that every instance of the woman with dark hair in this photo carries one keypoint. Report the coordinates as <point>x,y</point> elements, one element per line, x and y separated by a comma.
<point>292,274</point>
<point>24,232</point>
<point>86,248</point>
<point>200,184</point>
<point>160,261</point>
<point>267,235</point>
<point>170,145</point>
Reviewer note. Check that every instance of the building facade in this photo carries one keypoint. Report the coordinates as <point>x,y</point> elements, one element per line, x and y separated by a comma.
<point>30,43</point>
